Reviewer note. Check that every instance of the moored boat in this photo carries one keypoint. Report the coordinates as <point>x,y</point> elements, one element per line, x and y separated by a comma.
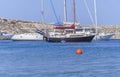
<point>103,36</point>
<point>68,34</point>
<point>5,36</point>
<point>27,37</point>
<point>100,36</point>
<point>63,33</point>
<point>71,38</point>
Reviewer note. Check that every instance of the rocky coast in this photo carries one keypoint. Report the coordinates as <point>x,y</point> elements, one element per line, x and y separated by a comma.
<point>12,26</point>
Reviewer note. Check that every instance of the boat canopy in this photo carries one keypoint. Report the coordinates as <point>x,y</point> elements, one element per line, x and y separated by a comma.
<point>65,27</point>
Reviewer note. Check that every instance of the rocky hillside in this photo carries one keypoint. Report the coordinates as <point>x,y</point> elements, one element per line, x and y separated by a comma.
<point>19,26</point>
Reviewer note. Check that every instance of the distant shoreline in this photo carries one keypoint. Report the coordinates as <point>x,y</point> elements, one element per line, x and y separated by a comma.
<point>20,26</point>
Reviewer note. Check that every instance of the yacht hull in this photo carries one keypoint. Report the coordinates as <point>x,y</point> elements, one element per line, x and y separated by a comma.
<point>27,37</point>
<point>103,37</point>
<point>73,39</point>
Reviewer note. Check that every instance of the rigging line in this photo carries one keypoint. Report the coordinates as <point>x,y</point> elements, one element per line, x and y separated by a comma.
<point>89,12</point>
<point>54,10</point>
<point>42,13</point>
<point>65,11</point>
<point>42,10</point>
<point>74,11</point>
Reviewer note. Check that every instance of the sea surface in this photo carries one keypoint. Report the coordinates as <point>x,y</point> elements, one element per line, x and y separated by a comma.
<point>43,59</point>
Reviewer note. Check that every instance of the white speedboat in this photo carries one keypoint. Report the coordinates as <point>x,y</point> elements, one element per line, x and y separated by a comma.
<point>98,36</point>
<point>27,37</point>
<point>103,36</point>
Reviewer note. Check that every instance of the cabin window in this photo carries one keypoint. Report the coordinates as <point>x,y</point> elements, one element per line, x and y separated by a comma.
<point>69,31</point>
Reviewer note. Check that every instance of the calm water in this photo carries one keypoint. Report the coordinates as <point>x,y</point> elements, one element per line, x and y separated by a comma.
<point>42,59</point>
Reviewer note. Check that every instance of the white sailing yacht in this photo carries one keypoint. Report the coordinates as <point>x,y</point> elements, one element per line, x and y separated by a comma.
<point>100,36</point>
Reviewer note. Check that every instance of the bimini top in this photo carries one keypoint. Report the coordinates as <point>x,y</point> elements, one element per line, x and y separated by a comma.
<point>65,27</point>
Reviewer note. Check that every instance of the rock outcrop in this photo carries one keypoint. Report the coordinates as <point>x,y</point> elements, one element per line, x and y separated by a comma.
<point>19,26</point>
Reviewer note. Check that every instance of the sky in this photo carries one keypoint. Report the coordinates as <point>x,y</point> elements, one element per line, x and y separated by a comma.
<point>108,11</point>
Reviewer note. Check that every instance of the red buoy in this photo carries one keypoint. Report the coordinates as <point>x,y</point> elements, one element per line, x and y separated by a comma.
<point>79,51</point>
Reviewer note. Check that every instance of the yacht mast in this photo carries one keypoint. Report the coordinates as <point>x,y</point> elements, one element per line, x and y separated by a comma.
<point>95,16</point>
<point>42,10</point>
<point>65,11</point>
<point>74,12</point>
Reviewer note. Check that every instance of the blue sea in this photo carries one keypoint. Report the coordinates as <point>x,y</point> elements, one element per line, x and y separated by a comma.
<point>43,59</point>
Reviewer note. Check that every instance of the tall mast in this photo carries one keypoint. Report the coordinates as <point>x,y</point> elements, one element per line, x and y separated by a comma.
<point>42,10</point>
<point>95,16</point>
<point>65,11</point>
<point>74,14</point>
<point>74,11</point>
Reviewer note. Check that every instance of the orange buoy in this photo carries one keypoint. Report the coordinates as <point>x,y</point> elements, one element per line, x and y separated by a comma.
<point>79,51</point>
